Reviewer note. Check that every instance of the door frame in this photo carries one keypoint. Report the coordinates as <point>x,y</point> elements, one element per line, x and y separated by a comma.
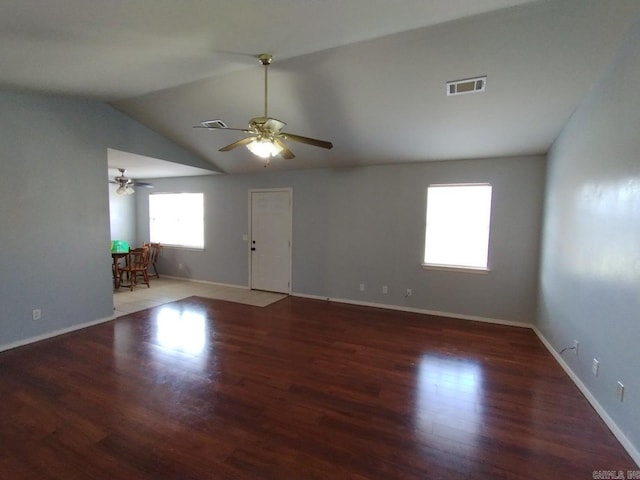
<point>289,233</point>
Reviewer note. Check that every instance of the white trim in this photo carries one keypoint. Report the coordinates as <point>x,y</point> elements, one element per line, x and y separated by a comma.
<point>455,268</point>
<point>194,280</point>
<point>62,331</point>
<point>611,424</point>
<point>472,184</point>
<point>249,241</point>
<point>617,432</point>
<point>310,297</point>
<point>426,265</point>
<point>178,245</point>
<point>182,247</point>
<point>633,452</point>
<point>401,308</point>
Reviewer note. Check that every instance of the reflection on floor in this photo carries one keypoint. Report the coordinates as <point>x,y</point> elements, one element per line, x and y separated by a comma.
<point>165,290</point>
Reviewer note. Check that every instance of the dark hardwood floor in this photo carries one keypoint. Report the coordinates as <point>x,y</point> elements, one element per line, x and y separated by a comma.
<point>302,389</point>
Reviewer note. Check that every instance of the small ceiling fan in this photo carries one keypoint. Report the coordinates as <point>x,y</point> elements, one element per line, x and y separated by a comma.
<point>266,138</point>
<point>125,184</point>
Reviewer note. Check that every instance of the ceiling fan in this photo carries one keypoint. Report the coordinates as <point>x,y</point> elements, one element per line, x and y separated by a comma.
<point>125,184</point>
<point>266,138</point>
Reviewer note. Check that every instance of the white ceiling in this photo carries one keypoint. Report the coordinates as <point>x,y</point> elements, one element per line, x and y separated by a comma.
<point>368,75</point>
<point>139,166</point>
<point>123,48</point>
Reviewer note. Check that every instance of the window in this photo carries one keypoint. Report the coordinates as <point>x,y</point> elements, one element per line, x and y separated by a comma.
<point>457,233</point>
<point>177,219</point>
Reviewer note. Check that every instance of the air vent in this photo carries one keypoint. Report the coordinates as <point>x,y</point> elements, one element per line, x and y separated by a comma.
<point>468,85</point>
<point>214,124</point>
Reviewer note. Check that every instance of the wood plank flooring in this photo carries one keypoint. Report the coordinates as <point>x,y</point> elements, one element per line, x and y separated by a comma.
<point>301,389</point>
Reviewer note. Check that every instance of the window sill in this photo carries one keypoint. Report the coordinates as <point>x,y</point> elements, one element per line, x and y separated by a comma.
<point>455,268</point>
<point>182,247</point>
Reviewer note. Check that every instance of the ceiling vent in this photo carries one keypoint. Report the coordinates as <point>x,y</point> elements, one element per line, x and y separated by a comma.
<point>214,124</point>
<point>468,85</point>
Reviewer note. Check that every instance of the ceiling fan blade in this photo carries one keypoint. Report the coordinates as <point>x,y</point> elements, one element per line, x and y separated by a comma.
<point>223,128</point>
<point>285,152</point>
<point>142,184</point>
<point>310,141</point>
<point>264,129</point>
<point>239,143</point>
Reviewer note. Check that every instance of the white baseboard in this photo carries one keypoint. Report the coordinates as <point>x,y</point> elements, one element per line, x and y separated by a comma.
<point>62,331</point>
<point>611,424</point>
<point>311,297</point>
<point>206,282</point>
<point>617,432</point>
<point>422,311</point>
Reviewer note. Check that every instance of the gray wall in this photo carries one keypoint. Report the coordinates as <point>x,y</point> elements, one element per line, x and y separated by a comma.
<point>54,209</point>
<point>366,225</point>
<point>590,269</point>
<point>122,216</point>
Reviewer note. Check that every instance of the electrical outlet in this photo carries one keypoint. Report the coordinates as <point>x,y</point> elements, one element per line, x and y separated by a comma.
<point>36,314</point>
<point>409,293</point>
<point>385,289</point>
<point>362,287</point>
<point>620,391</point>
<point>595,366</point>
<point>576,346</point>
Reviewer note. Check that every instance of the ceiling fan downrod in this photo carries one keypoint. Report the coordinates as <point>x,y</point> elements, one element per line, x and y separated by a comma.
<point>265,59</point>
<point>266,136</point>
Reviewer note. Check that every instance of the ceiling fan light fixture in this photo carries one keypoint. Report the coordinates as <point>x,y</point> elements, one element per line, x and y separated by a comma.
<point>267,137</point>
<point>264,148</point>
<point>125,189</point>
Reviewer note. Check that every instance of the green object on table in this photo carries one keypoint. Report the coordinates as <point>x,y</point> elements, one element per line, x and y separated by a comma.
<point>119,246</point>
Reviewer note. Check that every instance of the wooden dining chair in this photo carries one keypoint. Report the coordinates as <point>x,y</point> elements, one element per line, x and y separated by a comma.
<point>136,268</point>
<point>116,265</point>
<point>154,251</point>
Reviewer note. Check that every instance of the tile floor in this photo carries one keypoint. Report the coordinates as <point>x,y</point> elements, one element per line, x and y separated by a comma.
<point>163,290</point>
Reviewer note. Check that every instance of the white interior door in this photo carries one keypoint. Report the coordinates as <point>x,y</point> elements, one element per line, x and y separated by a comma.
<point>270,240</point>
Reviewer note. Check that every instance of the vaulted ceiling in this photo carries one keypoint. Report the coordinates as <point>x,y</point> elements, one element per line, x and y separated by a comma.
<point>368,75</point>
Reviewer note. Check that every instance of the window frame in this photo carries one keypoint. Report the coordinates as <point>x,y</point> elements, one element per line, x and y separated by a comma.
<point>455,267</point>
<point>177,245</point>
